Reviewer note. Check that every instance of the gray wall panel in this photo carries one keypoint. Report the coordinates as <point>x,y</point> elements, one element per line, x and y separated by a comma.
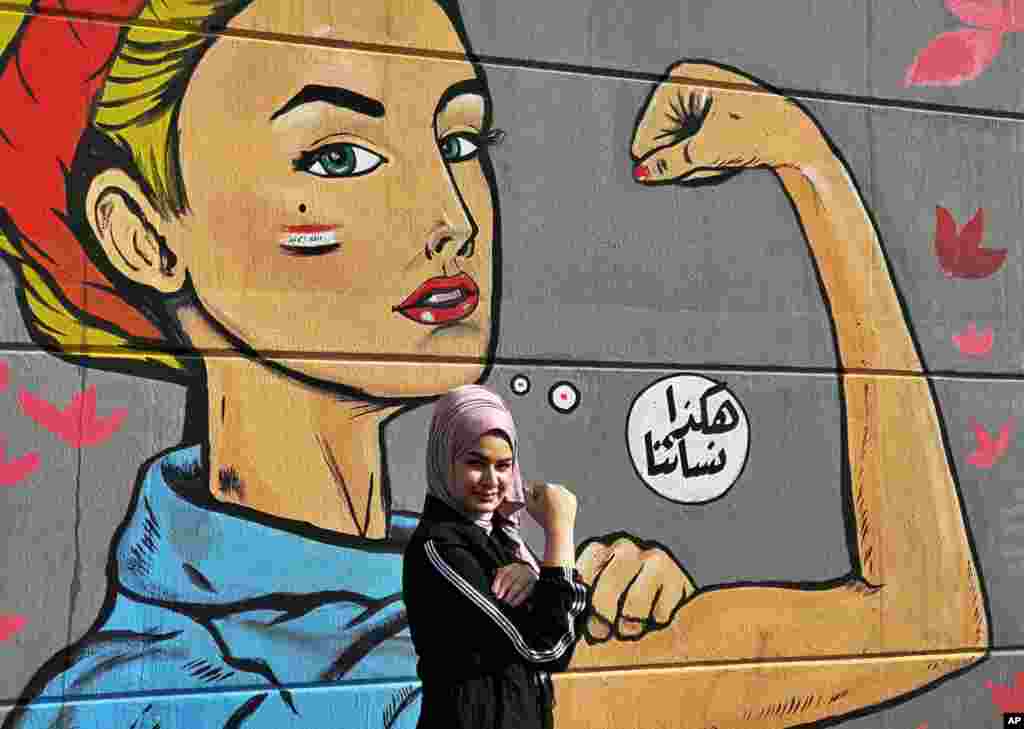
<point>963,164</point>
<point>793,43</point>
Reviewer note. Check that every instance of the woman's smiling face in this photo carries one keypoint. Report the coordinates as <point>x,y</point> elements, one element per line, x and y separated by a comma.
<point>339,200</point>
<point>482,475</point>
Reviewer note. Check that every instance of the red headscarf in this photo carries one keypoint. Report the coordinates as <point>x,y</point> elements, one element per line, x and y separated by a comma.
<point>50,78</point>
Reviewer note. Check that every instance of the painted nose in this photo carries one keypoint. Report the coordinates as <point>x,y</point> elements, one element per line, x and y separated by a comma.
<point>640,172</point>
<point>449,242</point>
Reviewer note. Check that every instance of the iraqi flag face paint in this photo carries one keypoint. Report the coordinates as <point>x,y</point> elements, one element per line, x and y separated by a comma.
<point>308,239</point>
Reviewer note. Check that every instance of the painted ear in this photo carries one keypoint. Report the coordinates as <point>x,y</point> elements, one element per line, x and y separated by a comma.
<point>127,228</point>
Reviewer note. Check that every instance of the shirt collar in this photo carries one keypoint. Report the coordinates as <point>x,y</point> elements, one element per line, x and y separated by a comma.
<point>178,544</point>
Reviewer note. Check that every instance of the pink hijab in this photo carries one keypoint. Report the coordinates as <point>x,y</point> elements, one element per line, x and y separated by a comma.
<point>460,418</point>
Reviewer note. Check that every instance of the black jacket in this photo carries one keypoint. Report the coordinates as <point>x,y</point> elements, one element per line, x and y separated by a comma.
<point>484,664</point>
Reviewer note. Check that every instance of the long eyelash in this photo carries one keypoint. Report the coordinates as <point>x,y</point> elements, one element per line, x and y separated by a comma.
<point>492,137</point>
<point>686,118</point>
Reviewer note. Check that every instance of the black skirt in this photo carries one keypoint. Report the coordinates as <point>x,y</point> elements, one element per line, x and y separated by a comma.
<point>520,697</point>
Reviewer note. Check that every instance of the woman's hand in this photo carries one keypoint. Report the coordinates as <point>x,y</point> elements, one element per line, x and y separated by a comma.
<point>636,587</point>
<point>514,583</point>
<point>553,506</point>
<point>705,121</point>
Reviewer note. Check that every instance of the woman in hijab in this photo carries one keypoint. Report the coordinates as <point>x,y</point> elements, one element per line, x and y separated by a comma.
<point>488,622</point>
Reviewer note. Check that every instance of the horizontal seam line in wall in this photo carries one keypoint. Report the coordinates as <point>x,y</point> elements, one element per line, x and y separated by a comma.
<point>617,670</point>
<point>547,363</point>
<point>551,66</point>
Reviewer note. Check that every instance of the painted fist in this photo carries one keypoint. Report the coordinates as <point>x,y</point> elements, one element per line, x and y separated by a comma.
<point>706,122</point>
<point>636,586</point>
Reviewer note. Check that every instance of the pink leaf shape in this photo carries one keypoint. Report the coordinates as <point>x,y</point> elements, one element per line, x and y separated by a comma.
<point>980,13</point>
<point>972,344</point>
<point>1004,435</point>
<point>13,471</point>
<point>1008,698</point>
<point>973,232</point>
<point>11,624</point>
<point>41,411</point>
<point>1014,15</point>
<point>77,424</point>
<point>982,436</point>
<point>947,239</point>
<point>5,374</point>
<point>989,451</point>
<point>954,57</point>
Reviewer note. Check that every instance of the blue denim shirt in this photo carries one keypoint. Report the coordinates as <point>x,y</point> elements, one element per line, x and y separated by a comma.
<point>221,618</point>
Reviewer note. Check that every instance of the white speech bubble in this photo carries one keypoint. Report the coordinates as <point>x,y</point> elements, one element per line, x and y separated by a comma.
<point>688,438</point>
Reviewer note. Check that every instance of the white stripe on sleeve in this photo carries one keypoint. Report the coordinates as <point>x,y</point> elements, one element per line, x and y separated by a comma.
<point>578,604</point>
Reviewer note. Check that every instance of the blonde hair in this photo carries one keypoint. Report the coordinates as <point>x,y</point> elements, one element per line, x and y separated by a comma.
<point>136,110</point>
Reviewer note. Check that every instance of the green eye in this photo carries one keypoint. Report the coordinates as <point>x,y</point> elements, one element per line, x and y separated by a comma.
<point>339,160</point>
<point>459,147</point>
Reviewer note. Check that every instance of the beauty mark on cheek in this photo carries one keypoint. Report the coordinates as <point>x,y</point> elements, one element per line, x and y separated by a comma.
<point>301,239</point>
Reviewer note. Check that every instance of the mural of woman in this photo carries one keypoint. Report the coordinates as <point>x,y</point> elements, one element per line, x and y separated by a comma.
<point>168,216</point>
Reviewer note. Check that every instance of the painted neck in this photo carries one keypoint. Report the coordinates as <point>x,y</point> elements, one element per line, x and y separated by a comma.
<point>289,449</point>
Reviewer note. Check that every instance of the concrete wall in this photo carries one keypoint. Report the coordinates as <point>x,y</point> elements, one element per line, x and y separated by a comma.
<point>856,555</point>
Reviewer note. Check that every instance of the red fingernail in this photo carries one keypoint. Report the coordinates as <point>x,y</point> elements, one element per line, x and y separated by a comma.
<point>640,172</point>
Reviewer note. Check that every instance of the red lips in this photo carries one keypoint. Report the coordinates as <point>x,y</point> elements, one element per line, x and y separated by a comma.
<point>441,300</point>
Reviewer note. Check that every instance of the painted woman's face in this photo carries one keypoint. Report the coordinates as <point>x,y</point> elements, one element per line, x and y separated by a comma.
<point>339,202</point>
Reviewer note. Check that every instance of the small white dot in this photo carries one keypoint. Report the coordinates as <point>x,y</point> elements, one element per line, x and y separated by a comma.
<point>426,316</point>
<point>520,384</point>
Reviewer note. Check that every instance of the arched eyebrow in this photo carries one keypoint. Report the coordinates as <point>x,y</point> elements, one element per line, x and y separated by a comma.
<point>336,96</point>
<point>470,86</point>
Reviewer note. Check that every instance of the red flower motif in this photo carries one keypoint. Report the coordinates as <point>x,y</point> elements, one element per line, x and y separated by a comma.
<point>989,450</point>
<point>973,344</point>
<point>77,424</point>
<point>960,253</point>
<point>1008,699</point>
<point>11,624</point>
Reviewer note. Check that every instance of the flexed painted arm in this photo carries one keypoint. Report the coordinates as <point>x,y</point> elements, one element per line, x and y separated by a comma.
<point>914,586</point>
